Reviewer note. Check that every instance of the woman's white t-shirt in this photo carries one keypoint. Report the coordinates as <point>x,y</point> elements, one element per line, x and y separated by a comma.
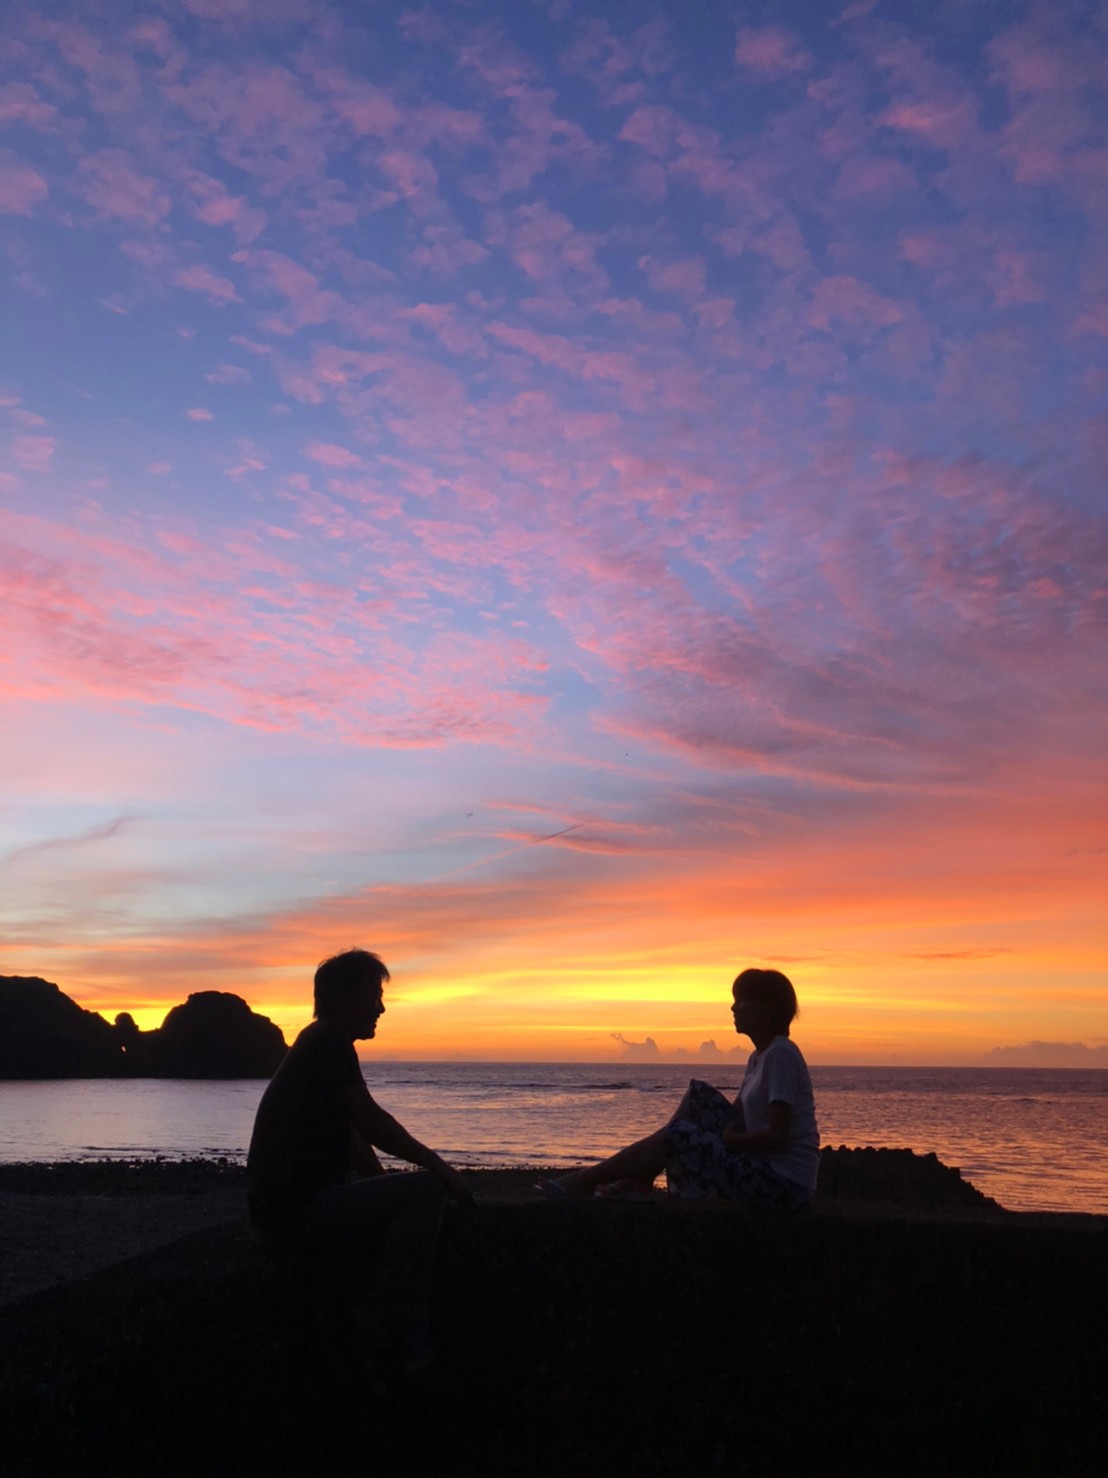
<point>779,1074</point>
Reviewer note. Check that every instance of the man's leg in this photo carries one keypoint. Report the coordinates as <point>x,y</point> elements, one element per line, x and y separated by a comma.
<point>393,1220</point>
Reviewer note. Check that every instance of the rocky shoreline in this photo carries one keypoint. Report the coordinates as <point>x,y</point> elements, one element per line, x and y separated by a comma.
<point>906,1325</point>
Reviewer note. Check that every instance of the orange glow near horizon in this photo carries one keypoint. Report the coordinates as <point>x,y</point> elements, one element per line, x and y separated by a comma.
<point>930,971</point>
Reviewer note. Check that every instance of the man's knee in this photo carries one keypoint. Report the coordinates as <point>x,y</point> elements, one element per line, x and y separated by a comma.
<point>428,1190</point>
<point>413,1193</point>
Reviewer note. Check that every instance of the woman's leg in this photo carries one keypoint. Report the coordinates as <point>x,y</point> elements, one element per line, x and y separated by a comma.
<point>641,1161</point>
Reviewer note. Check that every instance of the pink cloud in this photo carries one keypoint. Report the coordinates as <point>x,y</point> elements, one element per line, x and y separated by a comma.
<point>153,255</point>
<point>779,241</point>
<point>551,349</point>
<point>682,279</point>
<point>548,247</point>
<point>252,345</point>
<point>229,374</point>
<point>1054,79</point>
<point>771,51</point>
<point>1014,278</point>
<point>866,175</point>
<point>924,248</point>
<point>216,206</point>
<point>331,455</point>
<point>456,130</point>
<point>539,137</point>
<point>112,185</point>
<point>413,175</point>
<point>932,102</point>
<point>1030,60</point>
<point>652,128</point>
<point>247,459</point>
<point>364,108</point>
<point>853,305</point>
<point>32,453</point>
<point>199,413</point>
<point>113,78</point>
<point>308,302</point>
<point>1094,320</point>
<point>261,118</point>
<point>21,103</point>
<point>21,188</point>
<point>942,121</point>
<point>225,10</point>
<point>607,59</point>
<point>237,631</point>
<point>456,334</point>
<point>201,279</point>
<point>446,250</point>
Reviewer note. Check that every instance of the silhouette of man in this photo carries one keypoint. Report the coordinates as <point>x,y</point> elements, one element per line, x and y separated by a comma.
<point>315,1129</point>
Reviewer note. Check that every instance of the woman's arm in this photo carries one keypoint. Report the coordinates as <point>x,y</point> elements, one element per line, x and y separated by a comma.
<point>776,1137</point>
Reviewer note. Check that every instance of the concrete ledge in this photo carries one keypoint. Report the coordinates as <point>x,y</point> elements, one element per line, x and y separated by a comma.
<point>591,1338</point>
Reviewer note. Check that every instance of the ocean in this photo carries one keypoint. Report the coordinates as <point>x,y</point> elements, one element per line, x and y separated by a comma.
<point>1035,1139</point>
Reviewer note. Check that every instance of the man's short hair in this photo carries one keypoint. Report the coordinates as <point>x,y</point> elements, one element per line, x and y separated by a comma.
<point>347,971</point>
<point>774,990</point>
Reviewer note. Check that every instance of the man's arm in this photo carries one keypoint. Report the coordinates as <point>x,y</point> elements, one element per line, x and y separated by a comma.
<point>378,1128</point>
<point>776,1137</point>
<point>363,1158</point>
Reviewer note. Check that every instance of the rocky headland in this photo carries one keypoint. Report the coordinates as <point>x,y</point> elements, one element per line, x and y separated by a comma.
<point>214,1034</point>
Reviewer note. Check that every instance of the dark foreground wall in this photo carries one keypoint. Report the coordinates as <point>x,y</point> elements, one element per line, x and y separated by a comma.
<point>593,1339</point>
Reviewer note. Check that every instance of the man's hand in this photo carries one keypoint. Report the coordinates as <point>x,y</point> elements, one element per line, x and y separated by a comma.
<point>370,1122</point>
<point>453,1181</point>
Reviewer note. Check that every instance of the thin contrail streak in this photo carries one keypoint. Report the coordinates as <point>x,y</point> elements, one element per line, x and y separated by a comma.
<point>496,856</point>
<point>99,833</point>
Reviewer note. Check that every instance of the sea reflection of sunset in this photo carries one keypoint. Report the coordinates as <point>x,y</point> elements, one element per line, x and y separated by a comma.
<point>1031,1138</point>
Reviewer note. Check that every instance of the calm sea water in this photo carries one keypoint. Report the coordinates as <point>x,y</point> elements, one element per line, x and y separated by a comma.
<point>1034,1139</point>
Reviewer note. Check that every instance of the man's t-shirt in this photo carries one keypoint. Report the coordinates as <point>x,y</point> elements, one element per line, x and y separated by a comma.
<point>779,1074</point>
<point>301,1139</point>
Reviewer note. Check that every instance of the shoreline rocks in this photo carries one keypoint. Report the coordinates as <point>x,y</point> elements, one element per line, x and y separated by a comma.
<point>214,1034</point>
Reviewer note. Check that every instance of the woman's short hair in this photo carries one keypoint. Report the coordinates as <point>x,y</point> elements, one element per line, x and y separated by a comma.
<point>347,971</point>
<point>774,990</point>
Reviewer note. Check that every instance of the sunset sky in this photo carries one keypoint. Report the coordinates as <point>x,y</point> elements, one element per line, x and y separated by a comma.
<point>578,497</point>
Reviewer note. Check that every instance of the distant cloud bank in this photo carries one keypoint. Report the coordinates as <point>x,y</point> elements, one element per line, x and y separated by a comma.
<point>1050,1054</point>
<point>649,1051</point>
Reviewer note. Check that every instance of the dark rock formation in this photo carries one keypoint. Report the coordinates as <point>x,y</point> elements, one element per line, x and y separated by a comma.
<point>45,1034</point>
<point>213,1035</point>
<point>892,1177</point>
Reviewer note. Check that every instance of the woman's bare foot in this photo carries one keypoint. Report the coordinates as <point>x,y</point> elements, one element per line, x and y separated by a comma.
<point>630,1186</point>
<point>573,1185</point>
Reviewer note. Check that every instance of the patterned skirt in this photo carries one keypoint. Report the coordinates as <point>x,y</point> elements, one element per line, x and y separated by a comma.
<point>700,1166</point>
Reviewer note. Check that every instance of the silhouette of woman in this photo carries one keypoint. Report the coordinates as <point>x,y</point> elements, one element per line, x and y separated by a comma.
<point>762,1150</point>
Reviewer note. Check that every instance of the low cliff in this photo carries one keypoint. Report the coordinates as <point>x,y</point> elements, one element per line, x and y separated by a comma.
<point>45,1034</point>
